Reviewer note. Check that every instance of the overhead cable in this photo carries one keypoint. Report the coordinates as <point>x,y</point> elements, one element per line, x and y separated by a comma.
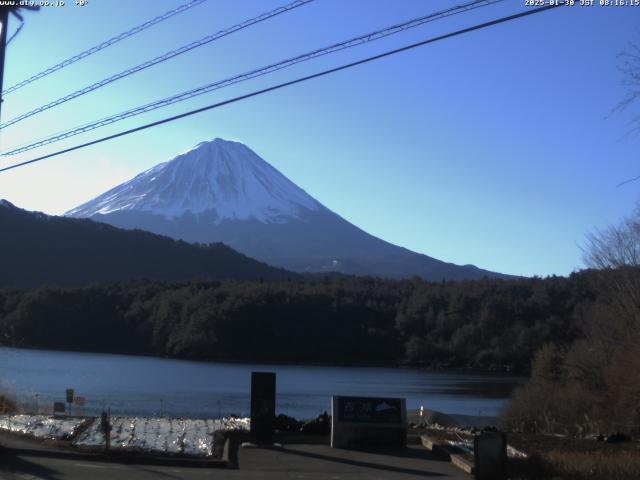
<point>162,58</point>
<point>369,37</point>
<point>285,84</point>
<point>103,45</point>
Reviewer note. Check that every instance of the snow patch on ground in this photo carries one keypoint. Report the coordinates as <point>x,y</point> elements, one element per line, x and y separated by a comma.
<point>41,426</point>
<point>193,438</point>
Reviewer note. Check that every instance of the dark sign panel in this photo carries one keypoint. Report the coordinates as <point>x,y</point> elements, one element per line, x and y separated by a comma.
<point>59,407</point>
<point>369,410</point>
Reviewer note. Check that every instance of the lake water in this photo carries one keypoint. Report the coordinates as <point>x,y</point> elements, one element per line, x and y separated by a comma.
<point>156,386</point>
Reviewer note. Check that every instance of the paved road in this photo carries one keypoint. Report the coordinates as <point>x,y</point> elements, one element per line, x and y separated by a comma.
<point>321,462</point>
<point>307,462</point>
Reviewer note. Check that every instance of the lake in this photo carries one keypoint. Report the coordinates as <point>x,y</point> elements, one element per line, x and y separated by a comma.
<point>156,386</point>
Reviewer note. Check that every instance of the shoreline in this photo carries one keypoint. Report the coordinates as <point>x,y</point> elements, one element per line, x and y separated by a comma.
<point>507,373</point>
<point>450,420</point>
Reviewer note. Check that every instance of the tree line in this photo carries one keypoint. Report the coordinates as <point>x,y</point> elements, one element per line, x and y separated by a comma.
<point>489,324</point>
<point>592,385</point>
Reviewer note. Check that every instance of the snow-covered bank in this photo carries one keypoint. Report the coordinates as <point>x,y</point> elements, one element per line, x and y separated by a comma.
<point>193,438</point>
<point>161,435</point>
<point>41,426</point>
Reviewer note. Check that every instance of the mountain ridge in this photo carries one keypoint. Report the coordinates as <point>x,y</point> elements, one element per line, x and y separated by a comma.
<point>222,191</point>
<point>40,249</point>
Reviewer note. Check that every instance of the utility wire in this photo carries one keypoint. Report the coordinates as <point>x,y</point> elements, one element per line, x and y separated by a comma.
<point>15,34</point>
<point>369,37</point>
<point>162,58</point>
<point>287,84</point>
<point>103,45</point>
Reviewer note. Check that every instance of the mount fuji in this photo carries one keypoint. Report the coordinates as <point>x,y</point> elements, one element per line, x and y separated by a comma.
<point>222,191</point>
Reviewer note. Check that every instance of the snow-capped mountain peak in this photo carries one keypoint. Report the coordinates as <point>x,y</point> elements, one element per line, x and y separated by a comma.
<point>222,177</point>
<point>221,191</point>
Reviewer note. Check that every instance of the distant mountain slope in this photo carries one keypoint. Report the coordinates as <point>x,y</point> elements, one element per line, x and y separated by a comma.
<point>221,191</point>
<point>37,249</point>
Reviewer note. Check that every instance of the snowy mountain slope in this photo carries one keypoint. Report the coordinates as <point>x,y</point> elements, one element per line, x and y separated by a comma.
<point>220,177</point>
<point>221,191</point>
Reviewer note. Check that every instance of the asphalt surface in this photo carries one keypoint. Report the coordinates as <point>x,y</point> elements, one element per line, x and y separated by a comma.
<point>26,460</point>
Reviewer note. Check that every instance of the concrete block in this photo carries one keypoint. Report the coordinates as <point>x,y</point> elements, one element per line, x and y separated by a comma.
<point>490,452</point>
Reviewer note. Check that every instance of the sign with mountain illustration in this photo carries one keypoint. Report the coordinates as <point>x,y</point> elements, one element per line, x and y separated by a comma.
<point>368,421</point>
<point>369,409</point>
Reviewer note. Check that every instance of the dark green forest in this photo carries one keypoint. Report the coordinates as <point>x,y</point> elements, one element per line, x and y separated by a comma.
<point>482,325</point>
<point>43,249</point>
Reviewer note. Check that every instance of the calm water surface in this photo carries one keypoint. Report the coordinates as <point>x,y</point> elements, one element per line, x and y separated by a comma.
<point>157,386</point>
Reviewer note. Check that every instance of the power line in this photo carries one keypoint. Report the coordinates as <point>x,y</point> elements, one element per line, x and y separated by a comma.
<point>287,84</point>
<point>103,45</point>
<point>4,20</point>
<point>162,58</point>
<point>369,37</point>
<point>15,34</point>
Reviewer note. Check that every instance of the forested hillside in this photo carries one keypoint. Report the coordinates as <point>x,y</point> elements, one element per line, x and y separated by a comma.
<point>38,249</point>
<point>487,324</point>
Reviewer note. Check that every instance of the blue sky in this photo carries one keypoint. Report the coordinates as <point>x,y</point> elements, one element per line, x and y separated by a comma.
<point>495,148</point>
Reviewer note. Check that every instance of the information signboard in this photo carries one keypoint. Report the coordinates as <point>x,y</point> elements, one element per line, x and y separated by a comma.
<point>368,421</point>
<point>370,410</point>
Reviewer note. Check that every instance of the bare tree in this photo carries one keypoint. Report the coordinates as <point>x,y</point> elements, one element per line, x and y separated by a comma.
<point>616,246</point>
<point>614,327</point>
<point>629,66</point>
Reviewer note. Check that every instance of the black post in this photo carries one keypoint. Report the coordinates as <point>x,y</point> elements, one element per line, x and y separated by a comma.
<point>105,425</point>
<point>69,393</point>
<point>4,19</point>
<point>263,407</point>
